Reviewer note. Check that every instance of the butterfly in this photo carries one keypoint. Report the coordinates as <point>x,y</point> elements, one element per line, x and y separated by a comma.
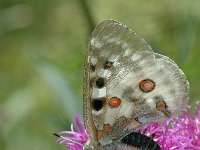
<point>127,86</point>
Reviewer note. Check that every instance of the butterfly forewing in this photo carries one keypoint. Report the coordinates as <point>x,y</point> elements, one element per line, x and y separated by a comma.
<point>127,85</point>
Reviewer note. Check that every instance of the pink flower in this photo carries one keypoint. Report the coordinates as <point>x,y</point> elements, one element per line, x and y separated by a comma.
<point>178,133</point>
<point>74,140</point>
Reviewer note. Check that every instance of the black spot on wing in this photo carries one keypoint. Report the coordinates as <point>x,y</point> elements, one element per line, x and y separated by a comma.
<point>100,82</point>
<point>98,103</point>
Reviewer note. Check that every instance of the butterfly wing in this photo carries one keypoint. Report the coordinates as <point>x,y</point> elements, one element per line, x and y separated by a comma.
<point>126,84</point>
<point>109,37</point>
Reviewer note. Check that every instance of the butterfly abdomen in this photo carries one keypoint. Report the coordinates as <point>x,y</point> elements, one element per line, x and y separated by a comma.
<point>140,141</point>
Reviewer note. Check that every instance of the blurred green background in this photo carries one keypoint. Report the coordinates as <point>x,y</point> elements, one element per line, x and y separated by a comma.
<point>42,47</point>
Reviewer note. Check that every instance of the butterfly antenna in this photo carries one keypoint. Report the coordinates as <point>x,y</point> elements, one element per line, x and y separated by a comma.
<point>56,135</point>
<point>67,139</point>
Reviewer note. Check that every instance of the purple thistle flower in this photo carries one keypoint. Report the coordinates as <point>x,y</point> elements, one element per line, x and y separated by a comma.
<point>176,133</point>
<point>74,140</point>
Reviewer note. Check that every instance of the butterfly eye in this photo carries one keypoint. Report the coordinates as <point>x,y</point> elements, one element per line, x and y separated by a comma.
<point>147,85</point>
<point>136,119</point>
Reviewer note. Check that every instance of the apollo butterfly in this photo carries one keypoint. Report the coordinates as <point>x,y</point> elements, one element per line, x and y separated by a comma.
<point>127,86</point>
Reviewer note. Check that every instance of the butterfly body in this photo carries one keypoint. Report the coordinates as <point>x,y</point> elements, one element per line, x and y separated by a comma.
<point>127,86</point>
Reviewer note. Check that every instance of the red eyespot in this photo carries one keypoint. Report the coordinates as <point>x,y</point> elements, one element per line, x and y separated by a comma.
<point>107,128</point>
<point>100,134</point>
<point>114,102</point>
<point>147,85</point>
<point>161,105</point>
